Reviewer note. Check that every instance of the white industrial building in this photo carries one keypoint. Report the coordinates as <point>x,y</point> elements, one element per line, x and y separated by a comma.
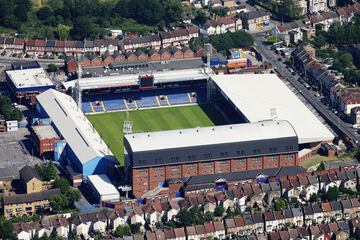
<point>260,97</point>
<point>103,188</point>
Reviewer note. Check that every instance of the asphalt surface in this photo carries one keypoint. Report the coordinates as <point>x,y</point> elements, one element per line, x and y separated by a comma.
<point>341,127</point>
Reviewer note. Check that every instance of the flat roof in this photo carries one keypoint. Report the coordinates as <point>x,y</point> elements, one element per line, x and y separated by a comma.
<point>257,95</point>
<point>204,136</point>
<point>103,184</point>
<point>44,131</point>
<point>73,125</point>
<point>133,79</point>
<point>28,78</point>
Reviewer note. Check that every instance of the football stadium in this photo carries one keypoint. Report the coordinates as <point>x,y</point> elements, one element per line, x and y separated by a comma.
<point>178,124</point>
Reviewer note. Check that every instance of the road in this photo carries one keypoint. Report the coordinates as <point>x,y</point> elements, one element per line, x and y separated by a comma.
<point>341,127</point>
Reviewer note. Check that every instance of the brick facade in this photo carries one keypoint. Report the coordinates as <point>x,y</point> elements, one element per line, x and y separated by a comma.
<point>146,179</point>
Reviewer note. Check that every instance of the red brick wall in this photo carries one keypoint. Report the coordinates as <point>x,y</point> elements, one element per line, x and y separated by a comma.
<point>271,161</point>
<point>254,163</point>
<point>132,58</point>
<point>140,181</point>
<point>46,145</point>
<point>222,166</point>
<point>189,54</point>
<point>157,174</point>
<point>142,57</point>
<point>238,165</point>
<point>119,59</point>
<point>85,63</point>
<point>287,160</point>
<point>108,60</point>
<point>190,169</point>
<point>96,62</point>
<point>154,57</point>
<point>165,56</point>
<point>178,55</point>
<point>206,168</point>
<point>71,66</point>
<point>173,171</point>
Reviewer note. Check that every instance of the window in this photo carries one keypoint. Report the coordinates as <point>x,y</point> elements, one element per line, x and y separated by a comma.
<point>208,164</point>
<point>207,155</point>
<point>288,148</point>
<point>256,151</point>
<point>224,154</point>
<point>142,171</point>
<point>158,160</point>
<point>272,158</point>
<point>191,166</point>
<point>176,158</point>
<point>240,161</point>
<point>273,149</point>
<point>175,168</point>
<point>240,152</point>
<point>159,169</point>
<point>289,157</point>
<point>256,160</point>
<point>224,163</point>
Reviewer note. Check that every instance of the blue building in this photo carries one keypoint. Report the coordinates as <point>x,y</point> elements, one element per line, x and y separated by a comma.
<point>84,149</point>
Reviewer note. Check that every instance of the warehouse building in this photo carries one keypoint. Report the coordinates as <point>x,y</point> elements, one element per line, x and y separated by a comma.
<point>103,189</point>
<point>265,96</point>
<point>154,157</point>
<point>44,138</point>
<point>84,149</point>
<point>27,83</point>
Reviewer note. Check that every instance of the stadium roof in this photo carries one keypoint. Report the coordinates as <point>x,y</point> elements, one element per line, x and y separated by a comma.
<point>257,95</point>
<point>193,137</point>
<point>133,79</point>
<point>103,184</point>
<point>29,78</point>
<point>73,126</point>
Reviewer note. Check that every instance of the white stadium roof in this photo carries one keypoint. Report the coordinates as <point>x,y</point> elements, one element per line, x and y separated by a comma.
<point>256,95</point>
<point>133,79</point>
<point>210,135</point>
<point>74,127</point>
<point>27,78</point>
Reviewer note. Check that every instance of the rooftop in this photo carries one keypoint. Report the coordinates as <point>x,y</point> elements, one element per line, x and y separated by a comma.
<point>45,132</point>
<point>27,78</point>
<point>103,184</point>
<point>257,96</point>
<point>75,128</point>
<point>210,135</point>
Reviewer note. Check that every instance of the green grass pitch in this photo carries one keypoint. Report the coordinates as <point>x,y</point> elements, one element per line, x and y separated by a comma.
<point>110,125</point>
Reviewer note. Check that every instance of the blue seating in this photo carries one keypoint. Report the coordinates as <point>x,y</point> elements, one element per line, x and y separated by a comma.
<point>149,101</point>
<point>86,107</point>
<point>178,98</point>
<point>144,99</point>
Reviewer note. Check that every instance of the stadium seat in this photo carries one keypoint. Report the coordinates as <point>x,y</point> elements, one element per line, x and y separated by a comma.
<point>86,107</point>
<point>178,98</point>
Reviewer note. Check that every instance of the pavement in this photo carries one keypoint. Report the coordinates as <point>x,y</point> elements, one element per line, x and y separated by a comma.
<point>341,127</point>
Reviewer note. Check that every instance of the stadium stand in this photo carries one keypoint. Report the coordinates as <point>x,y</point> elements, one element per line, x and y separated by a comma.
<point>148,99</point>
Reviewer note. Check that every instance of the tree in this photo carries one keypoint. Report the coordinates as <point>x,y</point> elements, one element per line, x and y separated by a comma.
<point>219,211</point>
<point>185,218</point>
<point>44,13</point>
<point>290,10</point>
<point>332,194</point>
<point>319,40</point>
<point>135,228</point>
<point>58,203</point>
<point>52,67</point>
<point>6,229</point>
<point>73,195</point>
<point>208,216</point>
<point>122,230</point>
<point>63,184</point>
<point>51,172</point>
<point>280,204</point>
<point>321,166</point>
<point>200,18</point>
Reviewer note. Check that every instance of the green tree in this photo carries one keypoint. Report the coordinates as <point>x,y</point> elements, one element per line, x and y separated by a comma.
<point>122,230</point>
<point>135,228</point>
<point>51,171</point>
<point>321,166</point>
<point>219,211</point>
<point>280,204</point>
<point>55,4</point>
<point>73,195</point>
<point>63,184</point>
<point>200,17</point>
<point>290,10</point>
<point>44,13</point>
<point>6,229</point>
<point>52,67</point>
<point>185,218</point>
<point>319,40</point>
<point>332,194</point>
<point>58,203</point>
<point>208,217</point>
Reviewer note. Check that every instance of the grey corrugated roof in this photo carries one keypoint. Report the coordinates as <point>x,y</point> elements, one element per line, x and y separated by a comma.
<point>248,219</point>
<point>288,213</point>
<point>297,212</point>
<point>32,197</point>
<point>27,173</point>
<point>346,204</point>
<point>308,210</point>
<point>335,205</point>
